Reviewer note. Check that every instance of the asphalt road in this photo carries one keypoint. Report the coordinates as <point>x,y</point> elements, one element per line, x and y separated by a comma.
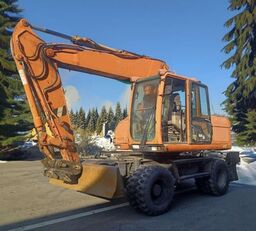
<point>29,202</point>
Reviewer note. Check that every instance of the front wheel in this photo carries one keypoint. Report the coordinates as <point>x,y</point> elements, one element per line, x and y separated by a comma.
<point>153,191</point>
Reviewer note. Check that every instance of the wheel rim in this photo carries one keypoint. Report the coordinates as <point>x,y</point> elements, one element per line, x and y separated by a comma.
<point>159,192</point>
<point>156,190</point>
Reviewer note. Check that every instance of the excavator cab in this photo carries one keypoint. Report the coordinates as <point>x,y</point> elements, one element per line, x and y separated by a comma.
<point>169,110</point>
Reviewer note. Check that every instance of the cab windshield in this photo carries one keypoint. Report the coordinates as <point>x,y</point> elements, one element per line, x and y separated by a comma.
<point>143,109</point>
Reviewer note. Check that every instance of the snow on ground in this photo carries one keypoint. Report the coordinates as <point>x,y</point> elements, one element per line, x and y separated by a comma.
<point>3,161</point>
<point>237,149</point>
<point>246,173</point>
<point>243,149</point>
<point>104,143</point>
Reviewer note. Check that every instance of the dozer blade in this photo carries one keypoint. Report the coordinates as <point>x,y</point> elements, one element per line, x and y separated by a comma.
<point>98,180</point>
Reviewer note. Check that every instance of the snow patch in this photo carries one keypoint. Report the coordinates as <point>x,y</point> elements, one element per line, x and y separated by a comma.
<point>95,144</point>
<point>236,149</point>
<point>246,170</point>
<point>246,173</point>
<point>104,143</point>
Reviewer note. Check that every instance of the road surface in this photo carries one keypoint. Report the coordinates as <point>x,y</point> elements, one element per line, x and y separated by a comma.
<point>29,202</point>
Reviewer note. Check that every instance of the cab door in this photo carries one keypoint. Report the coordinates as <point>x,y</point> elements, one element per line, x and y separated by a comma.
<point>201,127</point>
<point>174,111</point>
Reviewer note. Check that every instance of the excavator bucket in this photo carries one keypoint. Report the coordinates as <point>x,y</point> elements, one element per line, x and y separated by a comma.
<point>97,180</point>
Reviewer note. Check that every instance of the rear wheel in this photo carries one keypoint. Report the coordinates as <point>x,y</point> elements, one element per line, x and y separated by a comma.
<point>218,182</point>
<point>153,191</point>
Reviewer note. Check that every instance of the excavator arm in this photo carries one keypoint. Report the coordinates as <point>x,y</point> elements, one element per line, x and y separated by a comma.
<point>38,62</point>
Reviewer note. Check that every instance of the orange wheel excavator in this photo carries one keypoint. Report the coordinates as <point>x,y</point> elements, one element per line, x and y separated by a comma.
<point>169,135</point>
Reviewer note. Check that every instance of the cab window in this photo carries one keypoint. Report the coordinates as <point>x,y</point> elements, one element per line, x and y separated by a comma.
<point>201,130</point>
<point>174,111</point>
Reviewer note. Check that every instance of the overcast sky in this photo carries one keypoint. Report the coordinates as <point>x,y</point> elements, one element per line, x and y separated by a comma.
<point>186,34</point>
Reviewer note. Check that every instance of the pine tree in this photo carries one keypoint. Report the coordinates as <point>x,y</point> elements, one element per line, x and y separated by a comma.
<point>101,119</point>
<point>118,114</point>
<point>81,119</point>
<point>91,126</point>
<point>249,135</point>
<point>95,116</point>
<point>125,113</point>
<point>241,93</point>
<point>75,119</point>
<point>88,117</point>
<point>15,117</point>
<point>72,117</point>
<point>110,120</point>
<point>91,120</point>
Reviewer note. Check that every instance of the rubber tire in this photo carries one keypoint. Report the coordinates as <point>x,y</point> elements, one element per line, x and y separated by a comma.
<point>131,189</point>
<point>214,185</point>
<point>142,196</point>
